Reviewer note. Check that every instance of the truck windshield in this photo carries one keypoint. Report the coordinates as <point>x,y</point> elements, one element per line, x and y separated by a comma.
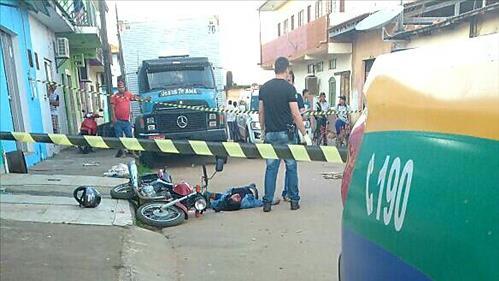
<point>201,77</point>
<point>254,103</point>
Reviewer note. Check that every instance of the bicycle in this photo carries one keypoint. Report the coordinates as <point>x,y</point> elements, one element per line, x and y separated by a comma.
<point>320,133</point>
<point>342,138</point>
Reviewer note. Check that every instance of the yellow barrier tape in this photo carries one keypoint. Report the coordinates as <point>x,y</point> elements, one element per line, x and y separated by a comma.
<point>331,153</point>
<point>23,137</point>
<point>132,144</point>
<point>200,147</point>
<point>299,152</point>
<point>60,139</point>
<point>96,141</point>
<point>167,146</point>
<point>266,150</point>
<point>234,149</point>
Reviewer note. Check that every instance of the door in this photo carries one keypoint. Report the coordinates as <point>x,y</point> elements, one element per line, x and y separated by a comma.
<point>345,85</point>
<point>46,101</point>
<point>332,91</point>
<point>12,86</point>
<point>71,106</point>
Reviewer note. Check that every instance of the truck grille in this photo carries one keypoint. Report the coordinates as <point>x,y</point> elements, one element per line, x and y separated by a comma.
<point>167,122</point>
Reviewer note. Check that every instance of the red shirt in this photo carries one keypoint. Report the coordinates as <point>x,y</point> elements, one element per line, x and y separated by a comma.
<point>121,104</point>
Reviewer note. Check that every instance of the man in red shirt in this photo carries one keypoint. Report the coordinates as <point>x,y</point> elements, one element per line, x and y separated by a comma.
<point>120,103</point>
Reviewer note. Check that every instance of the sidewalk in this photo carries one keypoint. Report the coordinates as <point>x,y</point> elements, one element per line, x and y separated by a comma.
<point>45,235</point>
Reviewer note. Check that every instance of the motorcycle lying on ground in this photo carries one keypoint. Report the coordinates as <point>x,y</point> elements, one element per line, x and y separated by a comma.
<point>164,204</point>
<point>88,127</point>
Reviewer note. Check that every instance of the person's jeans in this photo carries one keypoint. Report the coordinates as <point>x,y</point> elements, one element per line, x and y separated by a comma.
<point>338,125</point>
<point>123,127</point>
<point>286,179</point>
<point>291,181</point>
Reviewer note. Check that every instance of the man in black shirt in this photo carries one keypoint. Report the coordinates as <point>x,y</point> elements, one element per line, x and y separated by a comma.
<point>279,114</point>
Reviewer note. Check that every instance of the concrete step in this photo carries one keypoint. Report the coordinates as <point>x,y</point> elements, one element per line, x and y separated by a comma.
<point>54,209</point>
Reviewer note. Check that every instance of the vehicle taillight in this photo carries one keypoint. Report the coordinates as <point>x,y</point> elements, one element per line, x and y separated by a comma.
<point>354,143</point>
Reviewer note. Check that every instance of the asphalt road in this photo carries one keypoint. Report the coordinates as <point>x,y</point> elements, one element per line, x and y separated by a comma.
<point>240,245</point>
<point>252,245</point>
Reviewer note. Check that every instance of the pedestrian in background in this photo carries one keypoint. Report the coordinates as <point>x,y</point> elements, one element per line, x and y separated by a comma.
<point>342,115</point>
<point>235,127</point>
<point>306,99</point>
<point>54,106</point>
<point>231,118</point>
<point>120,103</point>
<point>279,114</point>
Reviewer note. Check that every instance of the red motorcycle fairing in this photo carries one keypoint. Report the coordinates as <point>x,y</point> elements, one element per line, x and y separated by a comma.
<point>182,189</point>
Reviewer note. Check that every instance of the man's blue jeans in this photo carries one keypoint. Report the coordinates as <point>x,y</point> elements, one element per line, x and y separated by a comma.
<point>121,127</point>
<point>286,179</point>
<point>280,138</point>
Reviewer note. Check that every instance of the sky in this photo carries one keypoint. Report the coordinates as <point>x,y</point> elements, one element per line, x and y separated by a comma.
<point>239,29</point>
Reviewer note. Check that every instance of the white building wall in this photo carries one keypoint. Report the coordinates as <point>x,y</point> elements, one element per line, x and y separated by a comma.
<point>115,69</point>
<point>143,40</point>
<point>43,39</point>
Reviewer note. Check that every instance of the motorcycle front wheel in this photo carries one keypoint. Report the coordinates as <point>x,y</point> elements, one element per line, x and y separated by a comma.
<point>152,214</point>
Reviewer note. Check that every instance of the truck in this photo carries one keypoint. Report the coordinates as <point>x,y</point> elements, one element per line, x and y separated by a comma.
<point>178,80</point>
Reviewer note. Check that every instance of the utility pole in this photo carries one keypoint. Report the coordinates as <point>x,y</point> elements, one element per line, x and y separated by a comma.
<point>120,55</point>
<point>106,53</point>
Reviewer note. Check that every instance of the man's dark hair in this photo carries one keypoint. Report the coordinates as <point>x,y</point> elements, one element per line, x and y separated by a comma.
<point>281,65</point>
<point>292,74</point>
<point>304,91</point>
<point>322,94</point>
<point>343,98</point>
<point>235,103</point>
<point>230,101</point>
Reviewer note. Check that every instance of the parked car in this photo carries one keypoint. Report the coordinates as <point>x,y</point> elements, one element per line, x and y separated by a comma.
<point>421,185</point>
<point>249,124</point>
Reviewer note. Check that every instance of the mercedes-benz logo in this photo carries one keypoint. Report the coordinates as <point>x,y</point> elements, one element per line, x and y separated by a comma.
<point>182,121</point>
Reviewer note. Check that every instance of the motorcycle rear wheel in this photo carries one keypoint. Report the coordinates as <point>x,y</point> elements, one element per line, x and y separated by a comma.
<point>152,214</point>
<point>122,191</point>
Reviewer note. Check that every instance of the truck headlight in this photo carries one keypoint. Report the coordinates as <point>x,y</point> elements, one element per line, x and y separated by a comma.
<point>151,127</point>
<point>255,125</point>
<point>212,123</point>
<point>150,120</point>
<point>212,116</point>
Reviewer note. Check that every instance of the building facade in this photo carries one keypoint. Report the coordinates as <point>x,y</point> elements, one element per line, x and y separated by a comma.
<point>298,30</point>
<point>31,50</point>
<point>422,23</point>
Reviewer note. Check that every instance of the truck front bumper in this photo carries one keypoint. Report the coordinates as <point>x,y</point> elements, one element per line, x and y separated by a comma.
<point>207,135</point>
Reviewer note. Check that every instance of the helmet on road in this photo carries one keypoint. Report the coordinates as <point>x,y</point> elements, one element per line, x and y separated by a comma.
<point>87,196</point>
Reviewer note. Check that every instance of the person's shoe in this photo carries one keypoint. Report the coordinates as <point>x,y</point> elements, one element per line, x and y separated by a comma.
<point>119,153</point>
<point>295,205</point>
<point>267,206</point>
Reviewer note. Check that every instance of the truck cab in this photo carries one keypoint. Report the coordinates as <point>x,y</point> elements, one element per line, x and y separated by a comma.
<point>179,80</point>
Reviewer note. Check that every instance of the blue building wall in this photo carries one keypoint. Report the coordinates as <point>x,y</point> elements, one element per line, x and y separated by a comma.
<point>15,21</point>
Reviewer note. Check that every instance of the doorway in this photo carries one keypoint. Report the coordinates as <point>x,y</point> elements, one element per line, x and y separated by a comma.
<point>344,84</point>
<point>9,65</point>
<point>332,91</point>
